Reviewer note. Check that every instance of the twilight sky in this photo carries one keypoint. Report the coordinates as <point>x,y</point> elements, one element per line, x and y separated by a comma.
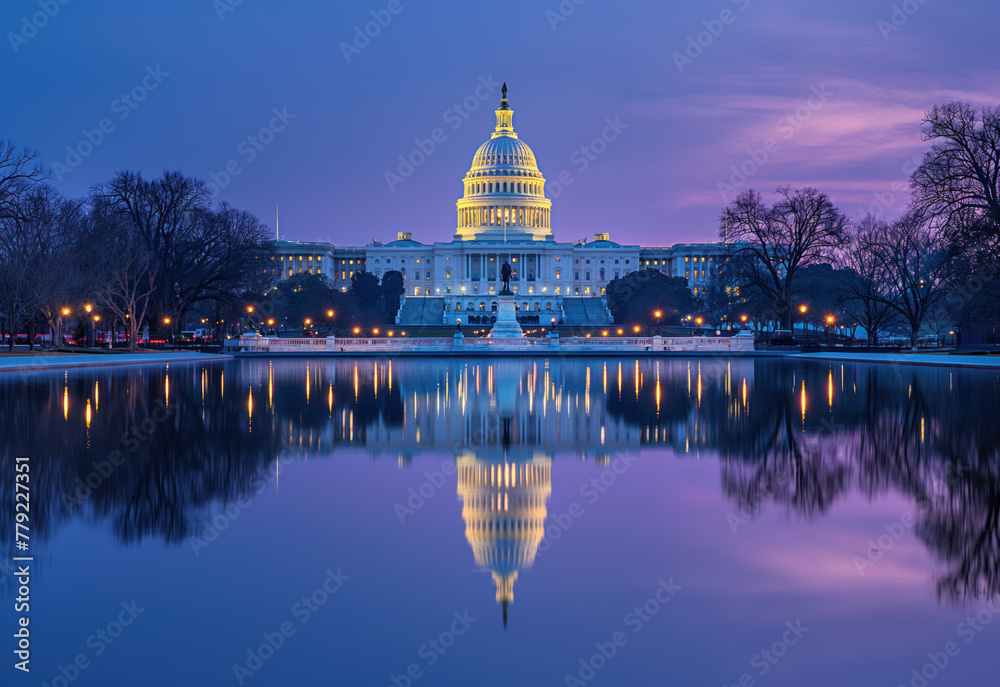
<point>825,94</point>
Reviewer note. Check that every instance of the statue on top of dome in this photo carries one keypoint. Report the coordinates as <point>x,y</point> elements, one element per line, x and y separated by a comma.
<point>504,105</point>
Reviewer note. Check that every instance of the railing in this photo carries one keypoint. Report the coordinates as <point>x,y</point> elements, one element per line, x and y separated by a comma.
<point>257,344</point>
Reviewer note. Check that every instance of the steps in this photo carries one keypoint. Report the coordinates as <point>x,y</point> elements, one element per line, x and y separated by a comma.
<point>585,311</point>
<point>417,310</point>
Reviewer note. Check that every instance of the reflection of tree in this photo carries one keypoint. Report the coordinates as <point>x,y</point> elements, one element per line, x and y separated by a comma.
<point>186,439</point>
<point>797,435</point>
<point>772,450</point>
<point>925,433</point>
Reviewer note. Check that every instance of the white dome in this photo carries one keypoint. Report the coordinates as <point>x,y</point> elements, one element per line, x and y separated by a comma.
<point>504,190</point>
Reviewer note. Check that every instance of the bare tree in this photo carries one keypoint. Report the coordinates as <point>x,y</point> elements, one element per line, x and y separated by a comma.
<point>958,184</point>
<point>959,179</point>
<point>121,269</point>
<point>864,280</point>
<point>19,172</point>
<point>36,260</point>
<point>918,268</point>
<point>203,254</point>
<point>773,242</point>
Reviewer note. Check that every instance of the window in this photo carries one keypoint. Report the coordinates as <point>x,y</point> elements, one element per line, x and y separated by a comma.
<point>447,274</point>
<point>587,275</point>
<point>602,274</point>
<point>576,276</point>
<point>558,274</point>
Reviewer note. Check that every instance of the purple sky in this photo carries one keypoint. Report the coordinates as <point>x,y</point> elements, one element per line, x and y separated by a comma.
<point>658,183</point>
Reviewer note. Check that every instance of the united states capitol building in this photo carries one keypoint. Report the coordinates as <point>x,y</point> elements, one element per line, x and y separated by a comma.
<point>503,216</point>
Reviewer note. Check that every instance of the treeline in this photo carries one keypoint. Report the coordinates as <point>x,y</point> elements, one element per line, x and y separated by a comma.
<point>142,252</point>
<point>936,263</point>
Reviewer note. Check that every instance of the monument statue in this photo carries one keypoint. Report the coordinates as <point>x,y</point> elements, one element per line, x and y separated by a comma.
<point>505,273</point>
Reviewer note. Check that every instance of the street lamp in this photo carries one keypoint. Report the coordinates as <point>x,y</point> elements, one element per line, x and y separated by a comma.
<point>803,309</point>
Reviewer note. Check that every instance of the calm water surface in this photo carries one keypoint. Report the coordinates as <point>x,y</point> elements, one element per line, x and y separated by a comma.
<point>507,522</point>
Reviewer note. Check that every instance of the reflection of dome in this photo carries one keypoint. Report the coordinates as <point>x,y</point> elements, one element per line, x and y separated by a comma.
<point>503,505</point>
<point>504,191</point>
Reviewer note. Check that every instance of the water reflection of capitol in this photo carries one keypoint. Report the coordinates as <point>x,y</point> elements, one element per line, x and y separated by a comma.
<point>504,421</point>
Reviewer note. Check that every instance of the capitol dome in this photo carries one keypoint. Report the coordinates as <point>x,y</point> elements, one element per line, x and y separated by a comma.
<point>504,190</point>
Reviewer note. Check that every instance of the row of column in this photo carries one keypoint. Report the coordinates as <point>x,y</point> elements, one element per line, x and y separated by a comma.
<point>522,271</point>
<point>513,216</point>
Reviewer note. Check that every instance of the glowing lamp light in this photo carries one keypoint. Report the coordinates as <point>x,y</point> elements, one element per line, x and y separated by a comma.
<point>329,313</point>
<point>87,307</point>
<point>249,308</point>
<point>698,321</point>
<point>270,322</point>
<point>743,318</point>
<point>166,320</point>
<point>803,309</point>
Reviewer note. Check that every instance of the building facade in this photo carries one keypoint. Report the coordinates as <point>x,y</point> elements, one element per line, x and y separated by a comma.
<point>503,216</point>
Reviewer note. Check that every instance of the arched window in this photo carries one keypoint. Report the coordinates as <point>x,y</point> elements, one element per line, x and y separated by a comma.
<point>538,307</point>
<point>458,306</point>
<point>548,306</point>
<point>505,187</point>
<point>519,187</point>
<point>491,187</point>
<point>482,307</point>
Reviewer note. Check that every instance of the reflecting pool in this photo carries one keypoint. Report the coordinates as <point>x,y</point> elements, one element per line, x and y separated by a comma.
<point>505,522</point>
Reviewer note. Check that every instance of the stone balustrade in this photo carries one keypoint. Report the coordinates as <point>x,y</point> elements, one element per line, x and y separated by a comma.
<point>403,345</point>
